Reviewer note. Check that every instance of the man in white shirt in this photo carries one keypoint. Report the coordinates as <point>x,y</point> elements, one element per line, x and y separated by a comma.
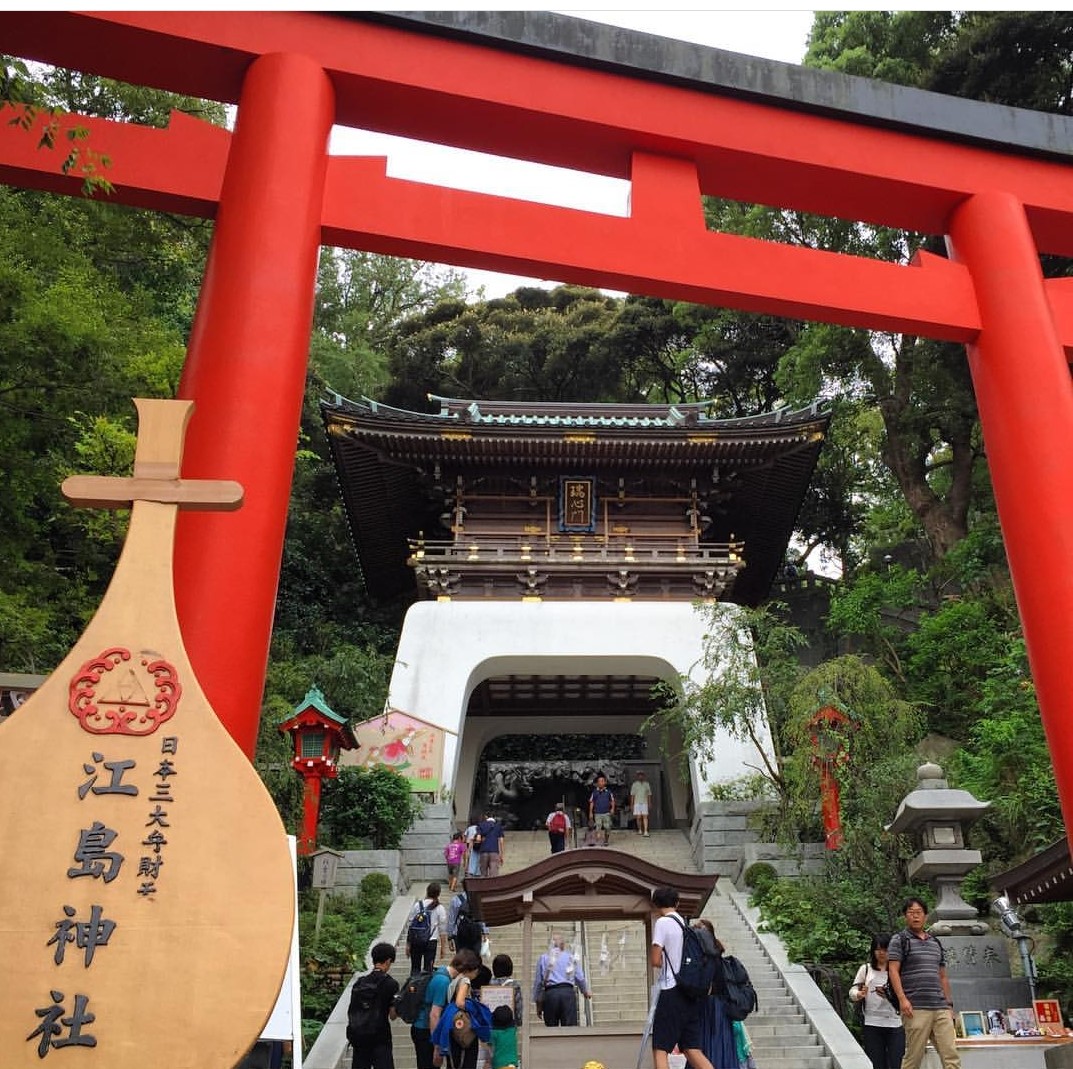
<point>640,799</point>
<point>677,1018</point>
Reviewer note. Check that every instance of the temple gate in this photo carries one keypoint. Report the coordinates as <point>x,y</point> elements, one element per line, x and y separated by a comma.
<point>558,551</point>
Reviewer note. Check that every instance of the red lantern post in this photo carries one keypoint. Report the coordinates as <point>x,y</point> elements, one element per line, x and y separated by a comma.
<point>829,749</point>
<point>318,735</point>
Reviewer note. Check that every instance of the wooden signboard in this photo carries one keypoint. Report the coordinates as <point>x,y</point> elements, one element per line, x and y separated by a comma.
<point>405,744</point>
<point>147,888</point>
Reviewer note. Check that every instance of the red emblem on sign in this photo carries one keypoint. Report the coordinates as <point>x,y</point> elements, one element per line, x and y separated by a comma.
<point>115,695</point>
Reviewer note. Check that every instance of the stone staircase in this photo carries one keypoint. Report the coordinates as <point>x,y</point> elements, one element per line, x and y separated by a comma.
<point>781,1034</point>
<point>614,956</point>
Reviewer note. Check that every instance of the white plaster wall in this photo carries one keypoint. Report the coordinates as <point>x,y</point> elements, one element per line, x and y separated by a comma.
<point>447,648</point>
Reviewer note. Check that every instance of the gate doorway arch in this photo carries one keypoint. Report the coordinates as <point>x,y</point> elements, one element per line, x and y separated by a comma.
<point>448,649</point>
<point>520,777</point>
<point>533,788</point>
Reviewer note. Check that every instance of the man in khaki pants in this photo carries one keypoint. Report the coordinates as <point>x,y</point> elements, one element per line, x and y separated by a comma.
<point>916,967</point>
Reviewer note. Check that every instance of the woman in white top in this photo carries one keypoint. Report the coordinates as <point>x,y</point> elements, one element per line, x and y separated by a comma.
<point>883,1039</point>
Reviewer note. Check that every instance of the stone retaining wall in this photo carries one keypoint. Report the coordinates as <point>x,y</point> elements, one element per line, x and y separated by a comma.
<point>725,843</point>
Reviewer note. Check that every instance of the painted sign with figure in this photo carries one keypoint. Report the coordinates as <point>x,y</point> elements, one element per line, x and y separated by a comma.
<point>405,744</point>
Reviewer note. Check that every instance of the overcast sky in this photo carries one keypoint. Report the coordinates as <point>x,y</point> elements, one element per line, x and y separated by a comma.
<point>780,35</point>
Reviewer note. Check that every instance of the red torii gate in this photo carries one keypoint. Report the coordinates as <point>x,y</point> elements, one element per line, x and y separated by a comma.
<point>1001,196</point>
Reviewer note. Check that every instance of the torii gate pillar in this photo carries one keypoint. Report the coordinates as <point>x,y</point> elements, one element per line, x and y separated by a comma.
<point>1024,392</point>
<point>246,369</point>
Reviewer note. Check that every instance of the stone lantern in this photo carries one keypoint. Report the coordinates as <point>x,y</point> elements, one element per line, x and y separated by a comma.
<point>977,959</point>
<point>937,815</point>
<point>318,735</point>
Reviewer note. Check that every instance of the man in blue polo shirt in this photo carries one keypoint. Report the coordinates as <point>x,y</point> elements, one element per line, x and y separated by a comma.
<point>602,808</point>
<point>491,848</point>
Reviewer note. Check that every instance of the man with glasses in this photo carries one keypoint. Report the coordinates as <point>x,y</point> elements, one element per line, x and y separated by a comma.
<point>916,970</point>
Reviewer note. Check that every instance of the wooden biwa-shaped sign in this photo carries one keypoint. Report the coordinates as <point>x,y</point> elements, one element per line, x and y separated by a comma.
<point>147,888</point>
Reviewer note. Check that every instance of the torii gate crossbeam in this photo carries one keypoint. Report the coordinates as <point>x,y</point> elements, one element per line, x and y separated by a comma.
<point>997,182</point>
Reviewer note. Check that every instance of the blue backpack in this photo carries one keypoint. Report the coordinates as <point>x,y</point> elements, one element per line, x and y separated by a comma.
<point>740,999</point>
<point>699,960</point>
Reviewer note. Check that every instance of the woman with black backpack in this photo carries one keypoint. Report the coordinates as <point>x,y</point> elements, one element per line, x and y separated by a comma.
<point>717,1029</point>
<point>426,930</point>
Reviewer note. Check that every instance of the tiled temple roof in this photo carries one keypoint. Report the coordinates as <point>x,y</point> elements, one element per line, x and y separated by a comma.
<point>384,457</point>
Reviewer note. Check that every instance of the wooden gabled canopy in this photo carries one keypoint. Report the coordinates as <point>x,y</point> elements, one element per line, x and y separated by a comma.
<point>584,884</point>
<point>590,883</point>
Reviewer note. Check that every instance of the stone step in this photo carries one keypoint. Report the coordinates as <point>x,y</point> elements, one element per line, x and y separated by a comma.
<point>781,1035</point>
<point>791,1057</point>
<point>760,1027</point>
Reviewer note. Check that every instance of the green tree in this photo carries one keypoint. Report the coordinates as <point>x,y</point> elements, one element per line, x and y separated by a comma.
<point>95,305</point>
<point>879,608</point>
<point>533,345</point>
<point>921,387</point>
<point>362,300</point>
<point>873,761</point>
<point>75,346</point>
<point>749,668</point>
<point>1006,762</point>
<point>828,918</point>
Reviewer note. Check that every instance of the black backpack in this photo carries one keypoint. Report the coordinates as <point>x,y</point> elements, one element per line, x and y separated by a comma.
<point>468,932</point>
<point>740,997</point>
<point>420,931</point>
<point>699,959</point>
<point>365,1016</point>
<point>410,1000</point>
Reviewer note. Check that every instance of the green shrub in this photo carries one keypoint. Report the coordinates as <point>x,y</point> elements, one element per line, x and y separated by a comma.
<point>367,808</point>
<point>748,788</point>
<point>759,876</point>
<point>331,955</point>
<point>376,883</point>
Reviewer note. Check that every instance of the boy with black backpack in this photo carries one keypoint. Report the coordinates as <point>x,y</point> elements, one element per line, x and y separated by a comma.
<point>371,1011</point>
<point>420,1003</point>
<point>676,1022</point>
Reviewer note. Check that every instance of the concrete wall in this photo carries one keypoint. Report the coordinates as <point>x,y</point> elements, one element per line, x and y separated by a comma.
<point>355,865</point>
<point>419,860</point>
<point>422,846</point>
<point>719,834</point>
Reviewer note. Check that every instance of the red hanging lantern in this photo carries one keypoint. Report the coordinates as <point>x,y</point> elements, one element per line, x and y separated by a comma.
<point>827,732</point>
